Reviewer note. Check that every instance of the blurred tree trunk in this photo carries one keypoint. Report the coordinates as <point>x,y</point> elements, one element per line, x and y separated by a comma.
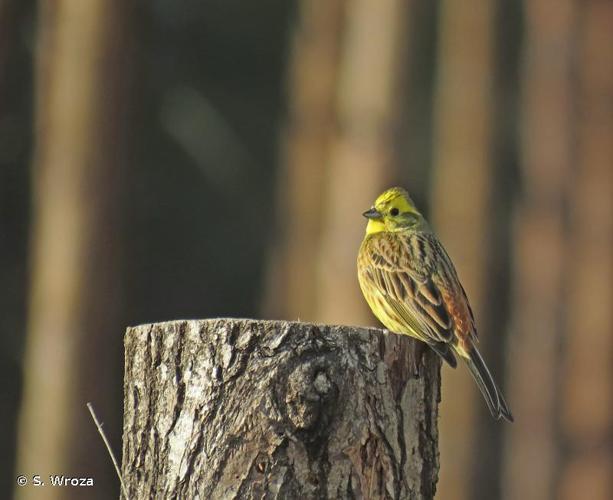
<point>72,327</point>
<point>15,149</point>
<point>7,20</point>
<point>587,380</point>
<point>541,256</point>
<point>361,164</point>
<point>462,215</point>
<point>313,82</point>
<point>347,65</point>
<point>265,409</point>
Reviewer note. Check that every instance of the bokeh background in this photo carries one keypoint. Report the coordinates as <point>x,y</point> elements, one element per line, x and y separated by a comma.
<point>193,159</point>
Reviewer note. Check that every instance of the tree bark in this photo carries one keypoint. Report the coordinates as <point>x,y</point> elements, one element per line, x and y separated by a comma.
<point>229,408</point>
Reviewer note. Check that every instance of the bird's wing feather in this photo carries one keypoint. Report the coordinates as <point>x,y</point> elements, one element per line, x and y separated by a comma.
<point>406,281</point>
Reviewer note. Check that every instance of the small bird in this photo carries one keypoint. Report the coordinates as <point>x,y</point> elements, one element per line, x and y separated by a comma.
<point>412,287</point>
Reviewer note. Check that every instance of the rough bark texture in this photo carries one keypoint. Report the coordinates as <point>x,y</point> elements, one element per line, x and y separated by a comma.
<point>229,408</point>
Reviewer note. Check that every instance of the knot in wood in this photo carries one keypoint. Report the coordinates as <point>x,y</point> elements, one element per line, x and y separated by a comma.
<point>309,393</point>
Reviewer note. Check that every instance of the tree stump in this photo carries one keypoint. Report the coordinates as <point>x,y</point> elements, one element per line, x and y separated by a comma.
<point>245,409</point>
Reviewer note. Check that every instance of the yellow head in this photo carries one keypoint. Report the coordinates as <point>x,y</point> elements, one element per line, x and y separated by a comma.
<point>393,211</point>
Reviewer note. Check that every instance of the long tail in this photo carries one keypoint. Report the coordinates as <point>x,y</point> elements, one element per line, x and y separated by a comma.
<point>492,394</point>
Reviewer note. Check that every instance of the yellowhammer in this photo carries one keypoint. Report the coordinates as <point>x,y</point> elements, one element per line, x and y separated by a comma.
<point>411,285</point>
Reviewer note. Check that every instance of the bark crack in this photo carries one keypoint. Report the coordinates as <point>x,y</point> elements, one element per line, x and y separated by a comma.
<point>282,410</point>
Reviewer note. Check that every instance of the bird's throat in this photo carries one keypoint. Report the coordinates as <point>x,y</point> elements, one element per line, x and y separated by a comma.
<point>375,226</point>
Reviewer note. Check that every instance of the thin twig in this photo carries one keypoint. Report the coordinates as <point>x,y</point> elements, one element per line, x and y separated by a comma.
<point>108,447</point>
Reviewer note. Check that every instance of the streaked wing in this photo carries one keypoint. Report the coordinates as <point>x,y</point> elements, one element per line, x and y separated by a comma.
<point>406,271</point>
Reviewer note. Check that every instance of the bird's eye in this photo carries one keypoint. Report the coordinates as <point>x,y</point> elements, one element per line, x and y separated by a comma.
<point>394,212</point>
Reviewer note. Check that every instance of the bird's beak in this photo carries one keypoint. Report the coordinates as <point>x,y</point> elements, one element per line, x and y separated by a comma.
<point>372,213</point>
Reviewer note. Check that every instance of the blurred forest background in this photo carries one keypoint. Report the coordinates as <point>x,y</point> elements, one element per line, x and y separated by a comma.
<point>193,159</point>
